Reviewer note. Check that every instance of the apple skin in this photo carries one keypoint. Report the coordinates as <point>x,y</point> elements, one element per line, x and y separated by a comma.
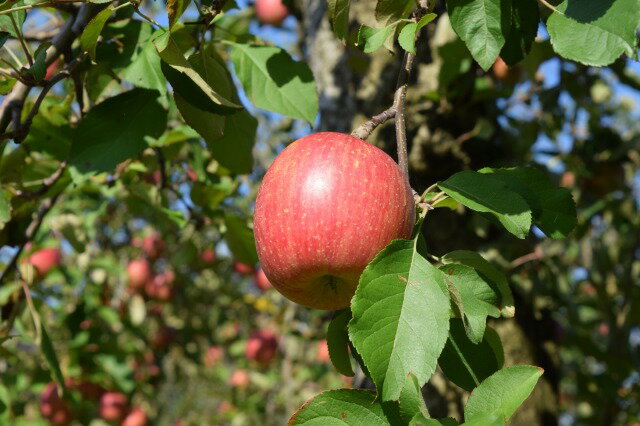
<point>322,355</point>
<point>261,280</point>
<point>262,346</point>
<point>153,245</point>
<point>243,268</point>
<point>271,12</point>
<point>208,256</point>
<point>136,417</point>
<point>327,205</point>
<point>139,272</point>
<point>213,356</point>
<point>45,260</point>
<point>239,379</point>
<point>113,406</point>
<point>54,408</point>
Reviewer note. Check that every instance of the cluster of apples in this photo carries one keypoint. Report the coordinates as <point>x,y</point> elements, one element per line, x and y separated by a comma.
<point>112,406</point>
<point>259,278</point>
<point>140,272</point>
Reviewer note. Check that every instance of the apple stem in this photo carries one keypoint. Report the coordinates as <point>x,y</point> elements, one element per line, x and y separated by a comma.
<point>365,129</point>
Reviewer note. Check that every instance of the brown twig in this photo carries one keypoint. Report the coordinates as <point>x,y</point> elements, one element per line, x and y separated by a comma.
<point>535,255</point>
<point>162,183</point>
<point>47,183</point>
<point>365,129</point>
<point>398,104</point>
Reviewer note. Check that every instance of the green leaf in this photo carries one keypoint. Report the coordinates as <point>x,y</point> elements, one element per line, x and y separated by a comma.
<point>339,17</point>
<point>421,420</point>
<point>482,25</point>
<point>502,393</point>
<point>275,82</point>
<point>400,317</point>
<point>484,193</point>
<point>6,84</point>
<point>372,39</point>
<point>554,210</point>
<point>115,130</point>
<point>240,240</point>
<point>352,407</point>
<point>338,343</point>
<point>50,356</point>
<point>39,68</point>
<point>477,262</point>
<point>5,20</point>
<point>411,401</point>
<point>407,37</point>
<point>235,149</point>
<point>186,81</point>
<point>388,11</point>
<point>467,364</point>
<point>595,32</point>
<point>5,209</point>
<point>175,9</point>
<point>524,27</point>
<point>4,36</point>
<point>477,297</point>
<point>89,37</point>
<point>209,196</point>
<point>144,70</point>
<point>485,420</point>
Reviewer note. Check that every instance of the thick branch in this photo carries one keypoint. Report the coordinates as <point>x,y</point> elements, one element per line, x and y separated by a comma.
<point>365,129</point>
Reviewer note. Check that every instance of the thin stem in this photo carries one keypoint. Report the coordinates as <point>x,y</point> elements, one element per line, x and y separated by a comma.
<point>142,15</point>
<point>365,129</point>
<point>13,56</point>
<point>32,309</point>
<point>427,191</point>
<point>23,43</point>
<point>398,103</point>
<point>548,5</point>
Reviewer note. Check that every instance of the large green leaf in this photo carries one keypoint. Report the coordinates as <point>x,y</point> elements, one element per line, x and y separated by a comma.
<point>240,240</point>
<point>411,401</point>
<point>595,32</point>
<point>90,34</point>
<point>352,407</point>
<point>275,82</point>
<point>554,210</point>
<point>115,130</point>
<point>338,342</point>
<point>5,20</point>
<point>467,364</point>
<point>502,393</point>
<point>524,27</point>
<point>400,317</point>
<point>144,70</point>
<point>482,25</point>
<point>339,17</point>
<point>476,297</point>
<point>487,194</point>
<point>234,150</point>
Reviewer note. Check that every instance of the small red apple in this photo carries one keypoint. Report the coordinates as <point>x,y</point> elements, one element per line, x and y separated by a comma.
<point>113,406</point>
<point>45,260</point>
<point>327,205</point>
<point>153,245</point>
<point>208,256</point>
<point>163,337</point>
<point>213,356</point>
<point>603,329</point>
<point>225,407</point>
<point>503,72</point>
<point>261,280</point>
<point>191,174</point>
<point>271,12</point>
<point>239,379</point>
<point>242,268</point>
<point>323,352</point>
<point>160,288</point>
<point>262,346</point>
<point>136,417</point>
<point>139,272</point>
<point>54,408</point>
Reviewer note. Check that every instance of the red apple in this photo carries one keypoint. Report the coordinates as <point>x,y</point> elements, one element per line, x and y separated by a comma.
<point>327,205</point>
<point>113,406</point>
<point>262,346</point>
<point>137,417</point>
<point>153,245</point>
<point>139,272</point>
<point>163,337</point>
<point>261,280</point>
<point>45,260</point>
<point>225,407</point>
<point>208,256</point>
<point>323,352</point>
<point>160,288</point>
<point>242,268</point>
<point>213,356</point>
<point>271,12</point>
<point>239,379</point>
<point>503,72</point>
<point>54,408</point>
<point>191,174</point>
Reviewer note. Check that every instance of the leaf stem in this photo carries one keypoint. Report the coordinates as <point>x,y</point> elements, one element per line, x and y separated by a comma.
<point>23,43</point>
<point>32,309</point>
<point>548,5</point>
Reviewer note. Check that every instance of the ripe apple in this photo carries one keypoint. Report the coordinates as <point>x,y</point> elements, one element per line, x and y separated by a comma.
<point>113,406</point>
<point>213,356</point>
<point>242,268</point>
<point>153,245</point>
<point>261,280</point>
<point>503,72</point>
<point>208,256</point>
<point>160,288</point>
<point>46,259</point>
<point>262,346</point>
<point>323,352</point>
<point>239,379</point>
<point>271,12</point>
<point>139,272</point>
<point>327,205</point>
<point>54,408</point>
<point>136,417</point>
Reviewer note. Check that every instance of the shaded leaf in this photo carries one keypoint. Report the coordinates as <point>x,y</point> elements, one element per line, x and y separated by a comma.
<point>524,27</point>
<point>388,11</point>
<point>240,240</point>
<point>339,17</point>
<point>89,37</point>
<point>175,9</point>
<point>338,343</point>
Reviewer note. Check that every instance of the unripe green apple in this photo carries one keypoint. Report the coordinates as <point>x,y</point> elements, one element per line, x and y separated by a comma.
<point>327,205</point>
